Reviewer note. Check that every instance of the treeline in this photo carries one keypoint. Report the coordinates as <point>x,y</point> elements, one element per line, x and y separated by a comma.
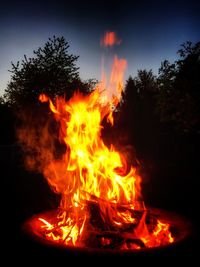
<point>166,102</point>
<point>173,96</point>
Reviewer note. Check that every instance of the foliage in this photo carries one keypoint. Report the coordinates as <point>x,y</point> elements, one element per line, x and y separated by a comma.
<point>145,82</point>
<point>136,116</point>
<point>172,97</point>
<point>52,70</point>
<point>178,96</point>
<point>138,93</point>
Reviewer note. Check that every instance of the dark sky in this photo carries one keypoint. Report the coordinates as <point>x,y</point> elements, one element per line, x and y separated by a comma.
<point>151,31</point>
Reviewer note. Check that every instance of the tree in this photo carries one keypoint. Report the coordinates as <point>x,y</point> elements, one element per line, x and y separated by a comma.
<point>178,96</point>
<point>52,70</point>
<point>136,113</point>
<point>138,95</point>
<point>129,102</point>
<point>136,91</point>
<point>145,82</point>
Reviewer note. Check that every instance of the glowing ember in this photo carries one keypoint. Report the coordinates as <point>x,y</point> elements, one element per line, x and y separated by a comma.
<point>100,195</point>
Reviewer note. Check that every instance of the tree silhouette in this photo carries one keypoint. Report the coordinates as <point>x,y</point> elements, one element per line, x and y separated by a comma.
<point>138,94</point>
<point>129,103</point>
<point>178,96</point>
<point>145,81</point>
<point>136,113</point>
<point>52,70</point>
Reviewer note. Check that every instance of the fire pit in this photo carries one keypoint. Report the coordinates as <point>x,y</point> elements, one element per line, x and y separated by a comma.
<point>101,205</point>
<point>44,229</point>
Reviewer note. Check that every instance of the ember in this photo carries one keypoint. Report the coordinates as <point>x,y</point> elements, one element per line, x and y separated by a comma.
<point>101,204</point>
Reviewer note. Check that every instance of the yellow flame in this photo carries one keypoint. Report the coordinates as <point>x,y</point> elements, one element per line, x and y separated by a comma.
<point>91,171</point>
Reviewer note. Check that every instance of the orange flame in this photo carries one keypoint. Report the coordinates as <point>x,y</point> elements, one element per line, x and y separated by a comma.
<point>91,173</point>
<point>89,170</point>
<point>110,39</point>
<point>110,92</point>
<point>43,98</point>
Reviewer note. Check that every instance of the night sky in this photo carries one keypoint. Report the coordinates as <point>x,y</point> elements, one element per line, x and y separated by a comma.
<point>151,31</point>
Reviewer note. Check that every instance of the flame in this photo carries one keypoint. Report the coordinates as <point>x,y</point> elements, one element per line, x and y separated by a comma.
<point>91,177</point>
<point>89,170</point>
<point>110,39</point>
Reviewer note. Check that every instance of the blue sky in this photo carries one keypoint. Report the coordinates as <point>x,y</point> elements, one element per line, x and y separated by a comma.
<point>150,32</point>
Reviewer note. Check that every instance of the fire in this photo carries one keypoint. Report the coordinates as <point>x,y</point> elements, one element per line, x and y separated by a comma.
<point>100,194</point>
<point>110,39</point>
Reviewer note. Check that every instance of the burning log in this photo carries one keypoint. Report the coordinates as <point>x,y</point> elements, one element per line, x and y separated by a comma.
<point>100,232</point>
<point>96,237</point>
